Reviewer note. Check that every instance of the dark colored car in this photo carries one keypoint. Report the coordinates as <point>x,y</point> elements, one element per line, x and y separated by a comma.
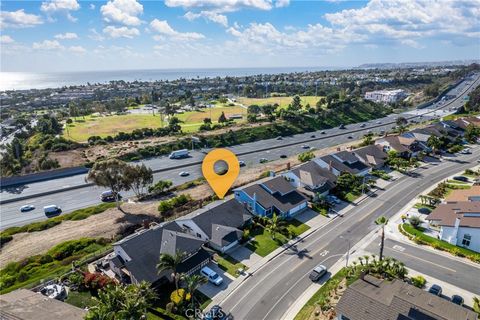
<point>323,132</point>
<point>350,137</point>
<point>457,299</point>
<point>342,126</point>
<point>317,272</point>
<point>435,289</point>
<point>424,210</point>
<point>460,178</point>
<point>283,156</point>
<point>312,136</point>
<point>217,313</point>
<point>279,138</point>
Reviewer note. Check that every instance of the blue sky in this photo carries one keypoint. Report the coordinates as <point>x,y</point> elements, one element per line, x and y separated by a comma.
<point>71,35</point>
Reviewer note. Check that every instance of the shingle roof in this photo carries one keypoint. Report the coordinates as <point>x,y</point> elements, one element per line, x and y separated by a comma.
<point>346,156</point>
<point>396,144</point>
<point>312,174</point>
<point>282,203</point>
<point>223,236</point>
<point>372,154</point>
<point>279,184</point>
<point>446,214</point>
<point>145,247</point>
<point>353,168</point>
<point>372,298</point>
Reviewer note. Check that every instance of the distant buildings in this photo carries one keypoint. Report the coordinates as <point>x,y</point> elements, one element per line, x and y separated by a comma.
<point>386,96</point>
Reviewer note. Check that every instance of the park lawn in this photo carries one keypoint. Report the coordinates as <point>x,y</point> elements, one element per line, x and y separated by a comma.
<point>80,130</point>
<point>283,102</point>
<point>194,117</point>
<point>263,244</point>
<point>229,264</point>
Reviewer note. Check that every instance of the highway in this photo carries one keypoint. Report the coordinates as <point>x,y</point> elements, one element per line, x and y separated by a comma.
<point>86,195</point>
<point>273,288</point>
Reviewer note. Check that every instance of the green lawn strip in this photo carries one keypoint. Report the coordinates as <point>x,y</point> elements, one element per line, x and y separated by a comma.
<point>263,244</point>
<point>350,197</point>
<point>229,264</point>
<point>457,186</point>
<point>419,236</point>
<point>321,210</point>
<point>421,205</point>
<point>457,182</point>
<point>203,299</point>
<point>79,214</point>
<point>54,263</point>
<point>80,299</point>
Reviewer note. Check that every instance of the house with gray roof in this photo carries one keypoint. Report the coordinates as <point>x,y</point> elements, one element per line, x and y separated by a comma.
<point>371,155</point>
<point>276,195</point>
<point>310,179</point>
<point>218,223</point>
<point>371,298</point>
<point>343,161</point>
<point>134,258</point>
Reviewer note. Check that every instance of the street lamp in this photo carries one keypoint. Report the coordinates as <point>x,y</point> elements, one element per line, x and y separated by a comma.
<point>348,251</point>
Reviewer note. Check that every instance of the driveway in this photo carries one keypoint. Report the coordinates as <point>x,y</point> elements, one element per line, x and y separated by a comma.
<point>311,218</point>
<point>245,256</point>
<point>211,290</point>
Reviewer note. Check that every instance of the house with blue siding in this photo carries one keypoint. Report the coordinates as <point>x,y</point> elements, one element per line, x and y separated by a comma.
<point>276,195</point>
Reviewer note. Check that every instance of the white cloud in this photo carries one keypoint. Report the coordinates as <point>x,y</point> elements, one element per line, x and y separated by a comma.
<point>94,35</point>
<point>208,15</point>
<point>4,39</point>
<point>18,19</point>
<point>221,5</point>
<point>48,45</point>
<point>282,3</point>
<point>66,35</point>
<point>122,11</point>
<point>77,49</point>
<point>121,32</point>
<point>164,29</point>
<point>53,6</point>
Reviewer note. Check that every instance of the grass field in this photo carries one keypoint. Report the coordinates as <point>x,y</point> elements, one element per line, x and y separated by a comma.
<point>81,129</point>
<point>283,102</point>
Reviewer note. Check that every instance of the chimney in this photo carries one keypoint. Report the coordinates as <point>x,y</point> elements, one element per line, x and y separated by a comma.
<point>146,224</point>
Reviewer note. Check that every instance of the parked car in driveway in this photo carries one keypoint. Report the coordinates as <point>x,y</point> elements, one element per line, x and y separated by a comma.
<point>460,178</point>
<point>211,275</point>
<point>317,272</point>
<point>28,207</point>
<point>457,299</point>
<point>435,289</point>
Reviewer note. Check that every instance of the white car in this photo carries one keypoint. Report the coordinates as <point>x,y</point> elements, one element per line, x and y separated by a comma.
<point>184,174</point>
<point>27,207</point>
<point>211,275</point>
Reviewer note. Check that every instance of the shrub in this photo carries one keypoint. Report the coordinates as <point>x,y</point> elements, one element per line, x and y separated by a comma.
<point>415,221</point>
<point>418,281</point>
<point>178,296</point>
<point>4,238</point>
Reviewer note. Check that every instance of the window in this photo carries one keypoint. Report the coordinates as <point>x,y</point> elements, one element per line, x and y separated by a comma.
<point>466,240</point>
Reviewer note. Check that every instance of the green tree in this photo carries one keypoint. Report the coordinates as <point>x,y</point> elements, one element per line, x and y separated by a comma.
<point>382,221</point>
<point>222,118</point>
<point>306,156</point>
<point>110,174</point>
<point>434,143</point>
<point>192,283</point>
<point>296,103</point>
<point>472,133</point>
<point>367,139</point>
<point>401,121</point>
<point>415,221</point>
<point>254,109</point>
<point>174,125</point>
<point>160,186</point>
<point>139,178</point>
<point>276,225</point>
<point>171,262</point>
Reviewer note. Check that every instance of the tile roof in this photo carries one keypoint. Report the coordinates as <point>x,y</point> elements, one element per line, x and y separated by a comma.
<point>464,195</point>
<point>283,203</point>
<point>447,213</point>
<point>279,184</point>
<point>372,298</point>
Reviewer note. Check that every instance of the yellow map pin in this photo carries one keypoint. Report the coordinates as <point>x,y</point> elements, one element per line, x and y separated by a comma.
<point>220,183</point>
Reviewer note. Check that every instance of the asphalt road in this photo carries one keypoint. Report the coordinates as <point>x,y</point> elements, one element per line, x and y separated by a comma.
<point>70,200</point>
<point>429,263</point>
<point>271,290</point>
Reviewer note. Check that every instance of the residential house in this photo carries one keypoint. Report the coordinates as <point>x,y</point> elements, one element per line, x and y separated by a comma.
<point>311,179</point>
<point>461,195</point>
<point>405,147</point>
<point>464,122</point>
<point>371,298</point>
<point>372,155</point>
<point>276,195</point>
<point>134,258</point>
<point>459,223</point>
<point>343,161</point>
<point>217,223</point>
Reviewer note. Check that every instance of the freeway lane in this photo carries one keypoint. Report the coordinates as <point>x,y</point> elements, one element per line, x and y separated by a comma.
<point>273,288</point>
<point>427,262</point>
<point>87,196</point>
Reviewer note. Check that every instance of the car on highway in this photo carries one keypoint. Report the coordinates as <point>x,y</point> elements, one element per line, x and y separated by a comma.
<point>241,163</point>
<point>323,132</point>
<point>435,289</point>
<point>466,151</point>
<point>262,160</point>
<point>52,210</point>
<point>184,174</point>
<point>211,275</point>
<point>317,272</point>
<point>26,208</point>
<point>350,137</point>
<point>109,195</point>
<point>460,178</point>
<point>312,136</point>
<point>283,156</point>
<point>279,138</point>
<point>362,125</point>
<point>342,126</point>
<point>305,146</point>
<point>457,299</point>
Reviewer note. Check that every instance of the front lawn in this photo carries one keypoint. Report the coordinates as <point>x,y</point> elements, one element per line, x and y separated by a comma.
<point>263,244</point>
<point>350,196</point>
<point>79,299</point>
<point>227,263</point>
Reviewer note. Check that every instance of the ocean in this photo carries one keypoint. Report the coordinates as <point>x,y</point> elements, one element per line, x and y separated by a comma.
<point>30,80</point>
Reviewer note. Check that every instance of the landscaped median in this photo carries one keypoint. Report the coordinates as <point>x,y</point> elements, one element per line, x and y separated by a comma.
<point>419,237</point>
<point>80,214</point>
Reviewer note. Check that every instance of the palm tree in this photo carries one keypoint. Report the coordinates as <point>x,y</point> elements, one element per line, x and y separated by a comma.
<point>192,283</point>
<point>276,225</point>
<point>434,143</point>
<point>382,221</point>
<point>171,262</point>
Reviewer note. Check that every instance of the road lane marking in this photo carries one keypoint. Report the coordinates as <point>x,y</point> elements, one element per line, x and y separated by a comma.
<point>435,264</point>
